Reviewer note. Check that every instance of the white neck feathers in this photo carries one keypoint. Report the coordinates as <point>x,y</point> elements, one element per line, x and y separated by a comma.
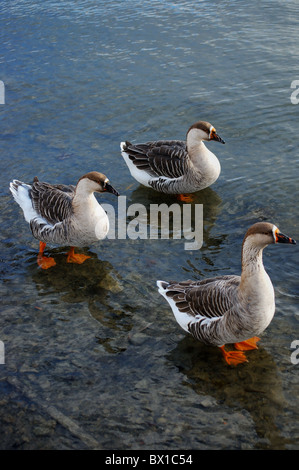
<point>252,257</point>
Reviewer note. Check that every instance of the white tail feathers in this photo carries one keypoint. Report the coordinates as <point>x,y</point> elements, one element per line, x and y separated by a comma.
<point>20,192</point>
<point>161,287</point>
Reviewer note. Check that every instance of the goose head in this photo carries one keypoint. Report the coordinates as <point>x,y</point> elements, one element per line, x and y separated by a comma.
<point>95,182</point>
<point>203,130</point>
<point>261,234</point>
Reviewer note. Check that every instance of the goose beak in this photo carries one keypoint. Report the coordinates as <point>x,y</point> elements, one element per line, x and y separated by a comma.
<point>109,188</point>
<point>281,238</point>
<point>215,136</point>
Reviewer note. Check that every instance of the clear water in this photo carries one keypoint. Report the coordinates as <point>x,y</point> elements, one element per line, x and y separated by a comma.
<point>93,356</point>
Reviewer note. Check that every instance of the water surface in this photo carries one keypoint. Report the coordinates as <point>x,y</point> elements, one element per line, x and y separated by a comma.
<point>93,357</point>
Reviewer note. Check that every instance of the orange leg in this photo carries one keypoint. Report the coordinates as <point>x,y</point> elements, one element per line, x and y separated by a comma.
<point>73,257</point>
<point>248,344</point>
<point>186,197</point>
<point>233,358</point>
<point>44,262</point>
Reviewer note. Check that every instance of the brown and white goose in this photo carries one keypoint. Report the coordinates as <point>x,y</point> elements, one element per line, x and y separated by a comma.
<point>175,166</point>
<point>64,214</point>
<point>229,309</point>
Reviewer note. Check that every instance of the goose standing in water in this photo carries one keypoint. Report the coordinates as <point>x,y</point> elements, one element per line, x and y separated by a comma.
<point>175,166</point>
<point>229,309</point>
<point>64,214</point>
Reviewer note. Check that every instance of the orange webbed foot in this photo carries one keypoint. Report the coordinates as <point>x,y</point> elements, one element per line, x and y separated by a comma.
<point>186,197</point>
<point>233,358</point>
<point>76,257</point>
<point>44,262</point>
<point>248,344</point>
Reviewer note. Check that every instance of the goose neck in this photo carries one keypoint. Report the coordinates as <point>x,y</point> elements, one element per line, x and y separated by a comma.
<point>252,260</point>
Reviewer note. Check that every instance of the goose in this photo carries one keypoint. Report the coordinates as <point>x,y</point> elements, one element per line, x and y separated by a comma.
<point>229,309</point>
<point>175,166</point>
<point>64,214</point>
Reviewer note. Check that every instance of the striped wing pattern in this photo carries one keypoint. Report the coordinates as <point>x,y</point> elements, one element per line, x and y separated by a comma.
<point>208,298</point>
<point>207,302</point>
<point>52,202</point>
<point>168,158</point>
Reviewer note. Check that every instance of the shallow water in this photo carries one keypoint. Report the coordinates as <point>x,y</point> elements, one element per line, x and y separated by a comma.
<point>93,357</point>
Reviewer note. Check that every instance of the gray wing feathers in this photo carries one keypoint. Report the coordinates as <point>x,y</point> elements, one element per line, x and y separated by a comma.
<point>209,298</point>
<point>52,202</point>
<point>207,302</point>
<point>168,158</point>
<point>48,233</point>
